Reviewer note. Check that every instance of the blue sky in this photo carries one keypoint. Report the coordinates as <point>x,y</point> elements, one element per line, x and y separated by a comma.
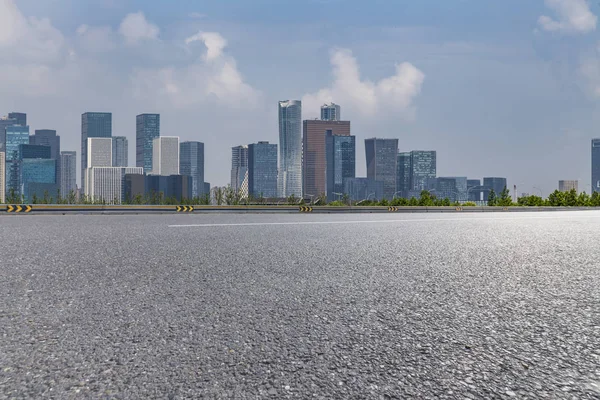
<point>498,88</point>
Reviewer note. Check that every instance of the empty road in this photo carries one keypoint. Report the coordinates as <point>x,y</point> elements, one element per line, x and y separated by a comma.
<point>301,306</point>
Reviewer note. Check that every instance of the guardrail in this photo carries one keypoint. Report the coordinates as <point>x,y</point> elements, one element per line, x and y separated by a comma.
<point>28,209</point>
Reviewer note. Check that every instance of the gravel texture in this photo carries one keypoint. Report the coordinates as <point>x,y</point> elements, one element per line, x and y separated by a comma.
<point>428,306</point>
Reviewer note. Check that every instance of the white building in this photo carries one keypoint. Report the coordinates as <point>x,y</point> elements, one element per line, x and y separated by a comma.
<point>106,183</point>
<point>165,155</point>
<point>2,177</point>
<point>567,186</point>
<point>99,152</point>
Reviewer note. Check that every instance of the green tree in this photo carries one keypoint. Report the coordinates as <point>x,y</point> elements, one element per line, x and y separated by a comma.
<point>556,199</point>
<point>292,200</point>
<point>505,200</point>
<point>595,199</point>
<point>570,198</point>
<point>492,200</point>
<point>426,199</point>
<point>34,199</point>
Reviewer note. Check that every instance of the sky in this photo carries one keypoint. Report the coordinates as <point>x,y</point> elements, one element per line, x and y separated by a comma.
<point>499,88</point>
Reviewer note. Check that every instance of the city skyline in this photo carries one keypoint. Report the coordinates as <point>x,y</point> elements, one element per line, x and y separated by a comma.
<point>459,96</point>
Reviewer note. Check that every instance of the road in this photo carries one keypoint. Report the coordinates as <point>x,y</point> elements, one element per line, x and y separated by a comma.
<point>301,306</point>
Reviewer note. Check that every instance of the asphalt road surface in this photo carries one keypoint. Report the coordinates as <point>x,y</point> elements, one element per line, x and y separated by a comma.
<point>301,306</point>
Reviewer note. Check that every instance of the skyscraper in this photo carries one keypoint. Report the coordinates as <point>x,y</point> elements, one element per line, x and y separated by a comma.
<point>4,122</point>
<point>493,183</point>
<point>93,125</point>
<point>423,170</point>
<point>48,137</point>
<point>20,118</point>
<point>595,165</point>
<point>99,152</point>
<point>330,112</point>
<point>239,170</point>
<point>68,176</point>
<point>262,170</point>
<point>147,129</point>
<point>314,163</point>
<point>290,148</point>
<point>15,136</point>
<point>341,163</point>
<point>451,187</point>
<point>403,174</point>
<point>119,151</point>
<point>191,163</point>
<point>382,159</point>
<point>363,189</point>
<point>165,155</point>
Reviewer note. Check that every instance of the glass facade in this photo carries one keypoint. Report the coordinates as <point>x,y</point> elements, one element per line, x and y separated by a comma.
<point>493,183</point>
<point>330,112</point>
<point>262,170</point>
<point>38,178</point>
<point>5,122</point>
<point>452,188</point>
<point>119,151</point>
<point>382,159</point>
<point>147,128</point>
<point>290,148</point>
<point>404,168</point>
<point>363,189</point>
<point>341,163</point>
<point>68,178</point>
<point>16,135</point>
<point>93,125</point>
<point>20,118</point>
<point>595,165</point>
<point>239,169</point>
<point>423,169</point>
<point>48,137</point>
<point>34,151</point>
<point>191,163</point>
<point>473,189</point>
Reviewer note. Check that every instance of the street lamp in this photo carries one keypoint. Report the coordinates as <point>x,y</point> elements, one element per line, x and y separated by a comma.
<point>400,191</point>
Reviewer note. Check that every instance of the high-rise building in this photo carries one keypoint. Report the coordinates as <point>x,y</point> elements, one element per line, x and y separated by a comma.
<point>403,174</point>
<point>4,122</point>
<point>330,112</point>
<point>191,163</point>
<point>165,155</point>
<point>341,163</point>
<point>567,186</point>
<point>48,137</point>
<point>290,148</point>
<point>177,187</point>
<point>363,189</point>
<point>2,178</point>
<point>314,162</point>
<point>38,178</point>
<point>93,125</point>
<point>147,129</point>
<point>239,170</point>
<point>382,159</point>
<point>474,189</point>
<point>16,135</point>
<point>99,152</point>
<point>68,175</point>
<point>423,170</point>
<point>20,118</point>
<point>493,183</point>
<point>119,151</point>
<point>107,183</point>
<point>262,170</point>
<point>595,165</point>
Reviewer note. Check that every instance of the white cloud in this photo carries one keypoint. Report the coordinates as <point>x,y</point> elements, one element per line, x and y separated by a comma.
<point>392,94</point>
<point>573,16</point>
<point>213,77</point>
<point>96,38</point>
<point>136,28</point>
<point>214,42</point>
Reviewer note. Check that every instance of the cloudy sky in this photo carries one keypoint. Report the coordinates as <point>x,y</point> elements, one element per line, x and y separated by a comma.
<point>499,88</point>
